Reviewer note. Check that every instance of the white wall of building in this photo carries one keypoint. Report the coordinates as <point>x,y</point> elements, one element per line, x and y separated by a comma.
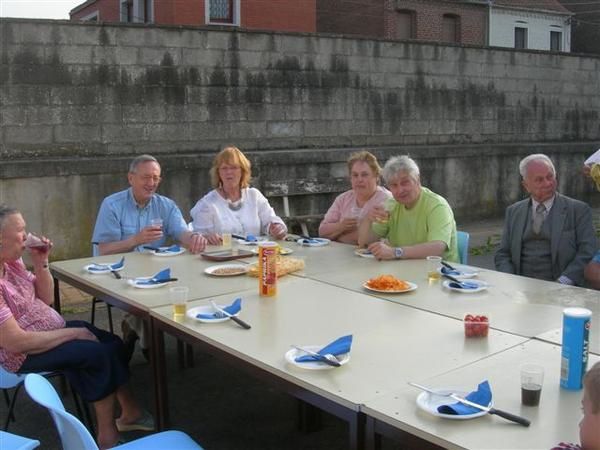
<point>539,25</point>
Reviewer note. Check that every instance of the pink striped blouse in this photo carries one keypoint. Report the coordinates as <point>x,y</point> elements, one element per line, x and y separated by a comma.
<point>18,300</point>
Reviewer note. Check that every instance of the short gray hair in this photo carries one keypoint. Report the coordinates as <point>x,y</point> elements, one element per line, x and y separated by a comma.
<point>397,164</point>
<point>6,211</point>
<point>139,160</point>
<point>535,157</point>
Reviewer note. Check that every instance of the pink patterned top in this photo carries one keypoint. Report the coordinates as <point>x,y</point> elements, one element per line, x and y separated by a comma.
<point>18,300</point>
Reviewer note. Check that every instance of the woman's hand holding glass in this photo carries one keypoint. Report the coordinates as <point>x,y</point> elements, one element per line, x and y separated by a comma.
<point>39,247</point>
<point>348,224</point>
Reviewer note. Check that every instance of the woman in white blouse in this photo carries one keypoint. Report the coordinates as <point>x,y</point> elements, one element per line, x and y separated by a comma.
<point>233,206</point>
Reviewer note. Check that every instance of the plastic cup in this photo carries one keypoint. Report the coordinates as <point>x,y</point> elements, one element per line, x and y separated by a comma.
<point>179,298</point>
<point>226,238</point>
<point>532,379</point>
<point>433,266</point>
<point>157,222</point>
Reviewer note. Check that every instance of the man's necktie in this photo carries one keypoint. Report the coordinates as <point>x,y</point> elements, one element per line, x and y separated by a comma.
<point>538,218</point>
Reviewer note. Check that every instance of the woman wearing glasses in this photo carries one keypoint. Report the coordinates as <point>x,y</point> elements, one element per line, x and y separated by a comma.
<point>233,206</point>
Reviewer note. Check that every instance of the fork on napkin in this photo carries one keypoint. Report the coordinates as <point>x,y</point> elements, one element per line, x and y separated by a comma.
<point>482,396</point>
<point>109,266</point>
<point>338,347</point>
<point>232,309</point>
<point>161,277</point>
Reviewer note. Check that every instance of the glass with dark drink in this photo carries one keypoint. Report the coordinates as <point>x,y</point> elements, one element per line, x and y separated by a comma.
<point>532,379</point>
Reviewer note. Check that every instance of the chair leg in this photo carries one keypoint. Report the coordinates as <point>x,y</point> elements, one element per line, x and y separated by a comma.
<point>85,415</point>
<point>10,416</point>
<point>108,311</point>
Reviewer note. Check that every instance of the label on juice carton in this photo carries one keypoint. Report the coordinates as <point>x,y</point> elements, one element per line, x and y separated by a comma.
<point>267,268</point>
<point>575,347</point>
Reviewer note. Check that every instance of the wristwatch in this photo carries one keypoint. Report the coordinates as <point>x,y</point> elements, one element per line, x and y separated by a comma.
<point>398,252</point>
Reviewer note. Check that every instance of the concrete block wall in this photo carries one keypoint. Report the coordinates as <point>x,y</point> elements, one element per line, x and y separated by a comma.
<point>78,101</point>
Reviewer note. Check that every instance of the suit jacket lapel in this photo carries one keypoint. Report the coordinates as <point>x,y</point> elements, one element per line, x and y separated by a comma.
<point>558,222</point>
<point>519,230</point>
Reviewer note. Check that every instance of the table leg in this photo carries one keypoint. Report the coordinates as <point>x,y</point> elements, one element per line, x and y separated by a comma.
<point>357,431</point>
<point>157,360</point>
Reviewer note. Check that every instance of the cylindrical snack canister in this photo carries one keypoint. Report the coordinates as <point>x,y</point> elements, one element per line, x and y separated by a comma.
<point>575,347</point>
<point>267,268</point>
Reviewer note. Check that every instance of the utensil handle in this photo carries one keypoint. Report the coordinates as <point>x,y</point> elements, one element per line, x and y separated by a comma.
<point>116,274</point>
<point>512,417</point>
<point>149,247</point>
<point>167,280</point>
<point>451,278</point>
<point>240,322</point>
<point>237,236</point>
<point>448,266</point>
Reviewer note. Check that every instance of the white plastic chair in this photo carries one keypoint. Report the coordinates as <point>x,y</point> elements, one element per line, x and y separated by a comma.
<point>75,436</point>
<point>9,441</point>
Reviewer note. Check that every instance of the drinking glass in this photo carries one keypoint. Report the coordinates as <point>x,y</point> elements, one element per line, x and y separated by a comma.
<point>433,265</point>
<point>179,298</point>
<point>532,378</point>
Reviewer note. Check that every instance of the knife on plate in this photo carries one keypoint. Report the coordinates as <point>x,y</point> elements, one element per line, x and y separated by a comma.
<point>504,414</point>
<point>237,320</point>
<point>448,266</point>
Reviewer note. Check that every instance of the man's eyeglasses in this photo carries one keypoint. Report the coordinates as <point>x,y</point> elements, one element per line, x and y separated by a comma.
<point>150,178</point>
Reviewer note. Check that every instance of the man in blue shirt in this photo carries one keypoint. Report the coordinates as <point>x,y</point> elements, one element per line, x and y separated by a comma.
<point>125,220</point>
<point>136,217</point>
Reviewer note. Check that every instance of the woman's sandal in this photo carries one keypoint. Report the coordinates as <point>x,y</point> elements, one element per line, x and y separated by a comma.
<point>144,423</point>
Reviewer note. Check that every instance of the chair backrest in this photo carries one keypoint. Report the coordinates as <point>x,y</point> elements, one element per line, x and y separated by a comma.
<point>16,442</point>
<point>9,380</point>
<point>73,434</point>
<point>462,238</point>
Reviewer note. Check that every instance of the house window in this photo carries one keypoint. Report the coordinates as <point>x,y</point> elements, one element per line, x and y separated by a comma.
<point>556,41</point>
<point>126,10</point>
<point>450,28</point>
<point>140,11</point>
<point>221,11</point>
<point>405,25</point>
<point>520,37</point>
<point>93,17</point>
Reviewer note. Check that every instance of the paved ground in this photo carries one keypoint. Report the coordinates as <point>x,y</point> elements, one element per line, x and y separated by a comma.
<point>221,407</point>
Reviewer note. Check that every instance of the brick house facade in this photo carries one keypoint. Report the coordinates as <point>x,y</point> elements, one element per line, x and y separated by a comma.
<point>460,21</point>
<point>282,15</point>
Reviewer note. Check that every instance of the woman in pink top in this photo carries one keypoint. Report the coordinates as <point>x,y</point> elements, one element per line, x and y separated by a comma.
<point>35,338</point>
<point>348,209</point>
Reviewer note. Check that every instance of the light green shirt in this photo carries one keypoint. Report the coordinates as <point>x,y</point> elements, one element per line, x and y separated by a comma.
<point>430,219</point>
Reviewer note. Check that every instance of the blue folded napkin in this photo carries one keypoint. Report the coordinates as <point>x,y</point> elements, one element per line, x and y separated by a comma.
<point>103,267</point>
<point>464,285</point>
<point>251,238</point>
<point>172,249</point>
<point>232,309</point>
<point>338,347</point>
<point>160,277</point>
<point>450,272</point>
<point>482,396</point>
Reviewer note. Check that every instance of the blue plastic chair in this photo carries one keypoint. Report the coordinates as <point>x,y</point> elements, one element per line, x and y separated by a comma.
<point>9,441</point>
<point>75,436</point>
<point>463,246</point>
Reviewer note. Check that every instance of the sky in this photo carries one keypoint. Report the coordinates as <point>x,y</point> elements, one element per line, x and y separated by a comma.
<point>38,9</point>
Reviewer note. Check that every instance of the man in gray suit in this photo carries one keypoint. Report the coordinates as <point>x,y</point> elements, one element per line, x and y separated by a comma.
<point>548,236</point>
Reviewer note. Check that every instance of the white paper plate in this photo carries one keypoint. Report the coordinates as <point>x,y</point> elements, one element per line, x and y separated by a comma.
<point>206,309</point>
<point>282,251</point>
<point>163,254</point>
<point>100,271</point>
<point>135,283</point>
<point>430,403</point>
<point>292,354</point>
<point>412,287</point>
<point>463,272</point>
<point>241,269</point>
<point>482,286</point>
<point>364,253</point>
<point>320,242</point>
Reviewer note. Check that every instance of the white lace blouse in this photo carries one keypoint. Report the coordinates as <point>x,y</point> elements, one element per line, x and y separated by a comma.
<point>212,214</point>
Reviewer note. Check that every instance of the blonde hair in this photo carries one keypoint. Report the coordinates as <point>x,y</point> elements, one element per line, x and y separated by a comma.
<point>591,382</point>
<point>233,156</point>
<point>367,157</point>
